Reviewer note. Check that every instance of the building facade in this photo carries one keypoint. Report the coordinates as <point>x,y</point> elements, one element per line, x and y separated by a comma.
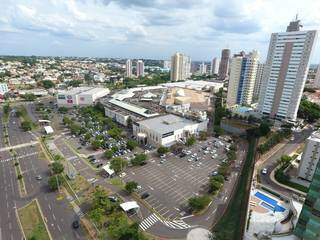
<point>203,68</point>
<point>316,83</point>
<point>215,66</point>
<point>3,88</point>
<point>140,68</point>
<point>166,130</point>
<point>285,72</point>
<point>180,67</point>
<point>129,68</point>
<point>310,157</point>
<point>243,69</point>
<point>308,225</point>
<point>224,64</point>
<point>258,81</point>
<point>81,96</point>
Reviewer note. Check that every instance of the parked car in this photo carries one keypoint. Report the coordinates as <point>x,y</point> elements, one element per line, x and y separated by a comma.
<point>113,198</point>
<point>145,195</point>
<point>75,224</point>
<point>264,171</point>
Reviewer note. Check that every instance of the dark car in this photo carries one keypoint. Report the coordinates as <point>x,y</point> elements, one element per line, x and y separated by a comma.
<point>145,195</point>
<point>113,198</point>
<point>75,224</point>
<point>99,165</point>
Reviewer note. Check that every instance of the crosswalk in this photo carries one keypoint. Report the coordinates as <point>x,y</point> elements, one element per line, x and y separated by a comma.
<point>149,221</point>
<point>153,218</point>
<point>21,156</point>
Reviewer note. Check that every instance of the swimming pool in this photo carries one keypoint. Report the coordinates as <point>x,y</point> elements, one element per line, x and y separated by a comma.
<point>269,203</point>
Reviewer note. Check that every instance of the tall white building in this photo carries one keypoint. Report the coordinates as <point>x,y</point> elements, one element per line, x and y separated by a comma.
<point>316,83</point>
<point>286,72</point>
<point>310,157</point>
<point>203,68</point>
<point>180,67</point>
<point>257,84</point>
<point>243,69</point>
<point>215,66</point>
<point>140,68</point>
<point>129,68</point>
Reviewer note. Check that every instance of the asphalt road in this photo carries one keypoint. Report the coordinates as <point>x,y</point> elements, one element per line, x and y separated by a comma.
<point>58,213</point>
<point>271,163</point>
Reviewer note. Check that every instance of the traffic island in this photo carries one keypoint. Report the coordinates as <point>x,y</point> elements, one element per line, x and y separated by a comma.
<point>32,223</point>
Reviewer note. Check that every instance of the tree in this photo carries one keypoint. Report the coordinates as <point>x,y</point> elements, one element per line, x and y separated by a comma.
<point>26,126</point>
<point>96,144</point>
<point>55,181</point>
<point>198,203</point>
<point>97,215</point>
<point>115,132</point>
<point>131,144</point>
<point>203,135</point>
<point>231,155</point>
<point>139,159</point>
<point>108,154</point>
<point>218,131</point>
<point>284,160</point>
<point>214,186</point>
<point>131,186</point>
<point>162,150</point>
<point>264,128</point>
<point>190,141</point>
<point>57,167</point>
<point>29,97</point>
<point>62,110</point>
<point>118,164</point>
<point>309,111</point>
<point>47,84</point>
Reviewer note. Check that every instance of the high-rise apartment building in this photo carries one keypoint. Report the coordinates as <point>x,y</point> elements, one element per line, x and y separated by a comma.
<point>243,69</point>
<point>310,157</point>
<point>285,72</point>
<point>257,84</point>
<point>180,67</point>
<point>203,68</point>
<point>129,68</point>
<point>140,68</point>
<point>224,64</point>
<point>308,225</point>
<point>215,66</point>
<point>316,83</point>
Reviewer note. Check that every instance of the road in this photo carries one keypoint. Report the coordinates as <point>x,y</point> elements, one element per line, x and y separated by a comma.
<point>58,213</point>
<point>271,162</point>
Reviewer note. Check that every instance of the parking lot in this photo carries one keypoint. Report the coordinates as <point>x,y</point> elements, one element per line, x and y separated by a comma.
<point>171,181</point>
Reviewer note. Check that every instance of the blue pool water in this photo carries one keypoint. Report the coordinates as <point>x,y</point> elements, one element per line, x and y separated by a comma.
<point>269,203</point>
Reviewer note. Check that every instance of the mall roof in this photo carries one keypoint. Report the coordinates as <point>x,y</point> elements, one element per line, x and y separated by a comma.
<point>166,123</point>
<point>132,108</point>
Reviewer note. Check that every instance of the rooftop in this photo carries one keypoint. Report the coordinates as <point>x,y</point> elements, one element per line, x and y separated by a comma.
<point>166,123</point>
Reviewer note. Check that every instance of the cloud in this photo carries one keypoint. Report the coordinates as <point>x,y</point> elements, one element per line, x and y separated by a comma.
<point>240,26</point>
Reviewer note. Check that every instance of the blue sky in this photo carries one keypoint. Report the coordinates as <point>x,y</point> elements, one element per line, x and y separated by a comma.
<point>147,28</point>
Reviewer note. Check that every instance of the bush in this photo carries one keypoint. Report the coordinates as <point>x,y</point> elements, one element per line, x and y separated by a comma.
<point>55,181</point>
<point>20,176</point>
<point>139,159</point>
<point>198,203</point>
<point>131,186</point>
<point>108,154</point>
<point>190,141</point>
<point>162,150</point>
<point>26,126</point>
<point>57,167</point>
<point>118,164</point>
<point>131,144</point>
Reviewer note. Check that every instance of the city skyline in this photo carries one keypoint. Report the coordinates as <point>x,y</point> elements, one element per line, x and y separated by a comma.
<point>153,29</point>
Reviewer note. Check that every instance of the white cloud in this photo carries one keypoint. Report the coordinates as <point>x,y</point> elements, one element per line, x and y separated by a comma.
<point>153,28</point>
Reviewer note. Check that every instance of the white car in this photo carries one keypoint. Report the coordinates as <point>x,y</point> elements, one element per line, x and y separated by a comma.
<point>122,175</point>
<point>264,171</point>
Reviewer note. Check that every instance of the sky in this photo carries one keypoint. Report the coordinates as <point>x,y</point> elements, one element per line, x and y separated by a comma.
<point>148,28</point>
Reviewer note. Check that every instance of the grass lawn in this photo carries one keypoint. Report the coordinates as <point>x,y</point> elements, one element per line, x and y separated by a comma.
<point>116,181</point>
<point>231,224</point>
<point>32,222</point>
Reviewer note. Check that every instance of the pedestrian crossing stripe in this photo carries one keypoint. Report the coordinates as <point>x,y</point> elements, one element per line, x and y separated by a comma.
<point>152,219</point>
